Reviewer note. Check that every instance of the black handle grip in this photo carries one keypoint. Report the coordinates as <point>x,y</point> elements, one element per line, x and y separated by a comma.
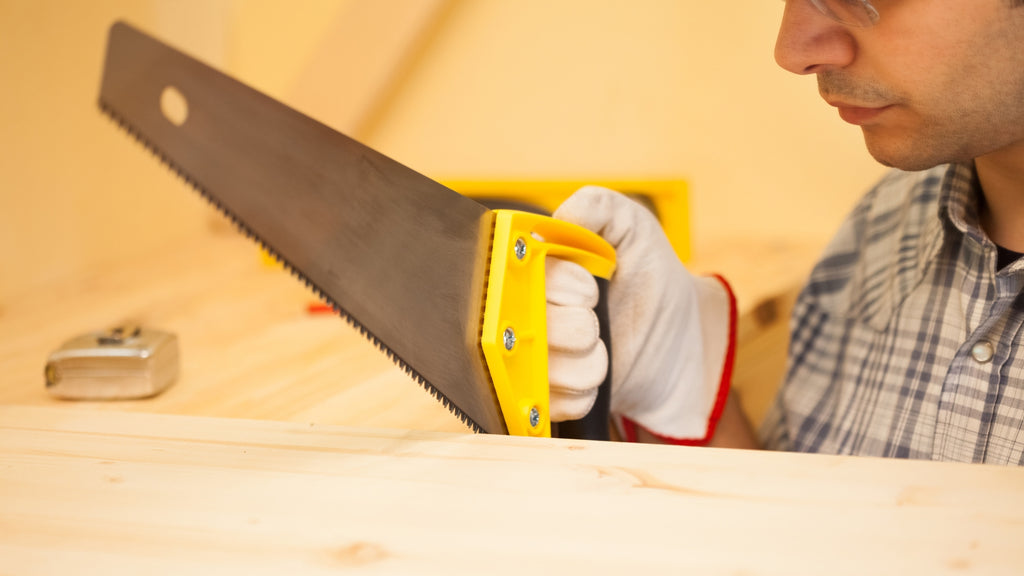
<point>594,426</point>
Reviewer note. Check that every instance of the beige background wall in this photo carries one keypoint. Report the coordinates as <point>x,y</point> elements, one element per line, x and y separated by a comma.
<point>457,89</point>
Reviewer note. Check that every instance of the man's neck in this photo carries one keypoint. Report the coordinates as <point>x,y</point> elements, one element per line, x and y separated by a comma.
<point>1001,175</point>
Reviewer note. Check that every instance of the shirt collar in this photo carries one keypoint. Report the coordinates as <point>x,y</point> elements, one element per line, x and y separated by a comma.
<point>959,200</point>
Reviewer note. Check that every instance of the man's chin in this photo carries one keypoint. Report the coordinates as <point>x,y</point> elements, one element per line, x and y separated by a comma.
<point>903,155</point>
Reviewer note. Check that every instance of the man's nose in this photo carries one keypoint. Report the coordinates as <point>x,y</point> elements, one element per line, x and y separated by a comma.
<point>810,42</point>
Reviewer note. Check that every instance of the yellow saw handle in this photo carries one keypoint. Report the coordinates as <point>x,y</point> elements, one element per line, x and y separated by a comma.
<point>515,328</point>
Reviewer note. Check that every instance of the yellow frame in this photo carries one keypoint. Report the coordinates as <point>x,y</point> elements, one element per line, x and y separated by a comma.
<point>669,199</point>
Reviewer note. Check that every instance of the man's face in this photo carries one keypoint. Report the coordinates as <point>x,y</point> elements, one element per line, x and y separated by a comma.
<point>930,83</point>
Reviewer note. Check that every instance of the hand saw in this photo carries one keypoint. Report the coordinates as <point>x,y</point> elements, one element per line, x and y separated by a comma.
<point>452,291</point>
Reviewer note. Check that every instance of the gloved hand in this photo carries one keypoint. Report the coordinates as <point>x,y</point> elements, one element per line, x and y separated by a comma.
<point>673,334</point>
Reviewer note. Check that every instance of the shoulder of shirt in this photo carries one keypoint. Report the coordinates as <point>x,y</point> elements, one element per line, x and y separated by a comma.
<point>881,250</point>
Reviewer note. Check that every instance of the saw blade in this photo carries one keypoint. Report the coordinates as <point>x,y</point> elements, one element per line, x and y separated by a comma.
<point>403,258</point>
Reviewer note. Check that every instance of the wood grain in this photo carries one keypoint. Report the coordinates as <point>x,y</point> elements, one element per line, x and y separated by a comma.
<point>118,493</point>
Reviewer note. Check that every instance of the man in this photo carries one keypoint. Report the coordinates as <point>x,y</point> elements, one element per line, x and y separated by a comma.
<point>907,339</point>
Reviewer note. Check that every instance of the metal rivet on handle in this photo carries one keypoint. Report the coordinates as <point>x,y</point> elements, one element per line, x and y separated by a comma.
<point>510,338</point>
<point>534,417</point>
<point>520,248</point>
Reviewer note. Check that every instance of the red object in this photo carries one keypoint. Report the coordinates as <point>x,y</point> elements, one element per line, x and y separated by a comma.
<point>319,308</point>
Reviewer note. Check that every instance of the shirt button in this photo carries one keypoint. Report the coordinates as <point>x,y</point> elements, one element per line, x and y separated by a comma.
<point>982,351</point>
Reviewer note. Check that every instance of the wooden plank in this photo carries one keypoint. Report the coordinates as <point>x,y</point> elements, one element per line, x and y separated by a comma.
<point>118,493</point>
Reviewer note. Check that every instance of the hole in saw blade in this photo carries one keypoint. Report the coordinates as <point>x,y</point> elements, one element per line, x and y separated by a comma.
<point>174,105</point>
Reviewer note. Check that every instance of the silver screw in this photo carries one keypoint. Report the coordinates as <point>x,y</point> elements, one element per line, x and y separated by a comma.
<point>510,338</point>
<point>534,417</point>
<point>520,248</point>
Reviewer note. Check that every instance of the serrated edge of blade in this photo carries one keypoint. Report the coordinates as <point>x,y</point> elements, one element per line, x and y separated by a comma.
<point>132,131</point>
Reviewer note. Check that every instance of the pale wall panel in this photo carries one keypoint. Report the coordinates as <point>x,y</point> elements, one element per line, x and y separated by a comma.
<point>648,88</point>
<point>74,190</point>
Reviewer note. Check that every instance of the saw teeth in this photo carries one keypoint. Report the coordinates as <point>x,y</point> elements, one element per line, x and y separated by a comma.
<point>430,388</point>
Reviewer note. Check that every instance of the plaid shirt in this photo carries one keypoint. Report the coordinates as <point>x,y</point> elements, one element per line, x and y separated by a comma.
<point>906,341</point>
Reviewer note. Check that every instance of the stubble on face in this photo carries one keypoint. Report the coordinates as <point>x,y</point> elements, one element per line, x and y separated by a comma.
<point>931,127</point>
<point>886,147</point>
<point>836,85</point>
<point>967,104</point>
<point>895,140</point>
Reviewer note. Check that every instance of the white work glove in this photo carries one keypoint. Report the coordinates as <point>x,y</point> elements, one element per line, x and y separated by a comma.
<point>673,334</point>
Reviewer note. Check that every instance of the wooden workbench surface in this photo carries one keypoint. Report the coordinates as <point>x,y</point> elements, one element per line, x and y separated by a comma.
<point>250,348</point>
<point>83,491</point>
